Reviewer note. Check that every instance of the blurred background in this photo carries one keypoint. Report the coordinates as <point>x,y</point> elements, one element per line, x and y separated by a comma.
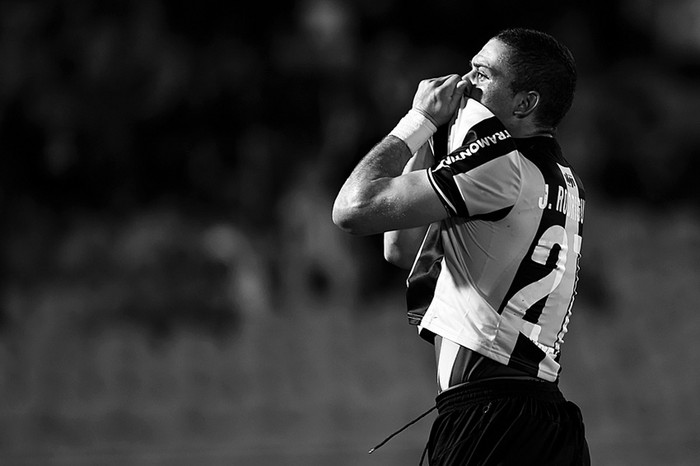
<point>174,293</point>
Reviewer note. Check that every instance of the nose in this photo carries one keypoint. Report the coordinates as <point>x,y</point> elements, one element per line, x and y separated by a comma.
<point>471,86</point>
<point>470,76</point>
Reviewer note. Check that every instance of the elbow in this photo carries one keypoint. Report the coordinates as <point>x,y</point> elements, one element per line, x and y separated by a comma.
<point>349,218</point>
<point>343,220</point>
<point>394,255</point>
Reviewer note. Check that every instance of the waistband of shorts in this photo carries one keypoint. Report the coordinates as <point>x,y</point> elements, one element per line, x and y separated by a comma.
<point>490,389</point>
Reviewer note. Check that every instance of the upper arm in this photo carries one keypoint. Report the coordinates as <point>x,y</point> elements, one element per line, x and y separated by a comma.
<point>479,187</point>
<point>373,201</point>
<point>398,203</point>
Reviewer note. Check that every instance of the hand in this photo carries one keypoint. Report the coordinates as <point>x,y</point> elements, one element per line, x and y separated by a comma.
<point>438,98</point>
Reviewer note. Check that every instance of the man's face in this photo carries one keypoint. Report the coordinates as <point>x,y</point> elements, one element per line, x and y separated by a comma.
<point>491,77</point>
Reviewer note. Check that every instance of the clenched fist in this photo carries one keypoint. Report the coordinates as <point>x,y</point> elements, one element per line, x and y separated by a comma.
<point>438,98</point>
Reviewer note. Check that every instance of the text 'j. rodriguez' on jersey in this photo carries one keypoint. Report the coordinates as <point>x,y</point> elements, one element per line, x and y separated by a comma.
<point>499,275</point>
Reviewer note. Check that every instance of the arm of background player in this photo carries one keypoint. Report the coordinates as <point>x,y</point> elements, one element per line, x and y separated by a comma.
<point>401,246</point>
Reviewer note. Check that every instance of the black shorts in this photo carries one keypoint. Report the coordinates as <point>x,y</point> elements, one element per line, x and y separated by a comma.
<point>507,422</point>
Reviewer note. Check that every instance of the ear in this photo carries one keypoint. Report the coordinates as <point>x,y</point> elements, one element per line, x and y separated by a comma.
<point>525,103</point>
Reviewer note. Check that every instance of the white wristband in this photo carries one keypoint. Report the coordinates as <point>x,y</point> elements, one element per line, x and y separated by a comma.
<point>414,129</point>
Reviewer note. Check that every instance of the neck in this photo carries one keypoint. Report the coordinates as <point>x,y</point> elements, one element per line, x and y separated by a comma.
<point>528,131</point>
<point>546,132</point>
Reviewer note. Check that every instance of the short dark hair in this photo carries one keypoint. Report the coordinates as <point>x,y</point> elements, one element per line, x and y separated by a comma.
<point>541,63</point>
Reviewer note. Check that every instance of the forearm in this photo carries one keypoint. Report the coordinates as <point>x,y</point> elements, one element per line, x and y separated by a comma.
<point>376,198</point>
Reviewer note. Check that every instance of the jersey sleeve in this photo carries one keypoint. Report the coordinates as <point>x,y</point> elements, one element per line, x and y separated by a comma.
<point>482,177</point>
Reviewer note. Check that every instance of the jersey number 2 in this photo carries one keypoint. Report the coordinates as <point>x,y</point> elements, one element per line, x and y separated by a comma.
<point>554,236</point>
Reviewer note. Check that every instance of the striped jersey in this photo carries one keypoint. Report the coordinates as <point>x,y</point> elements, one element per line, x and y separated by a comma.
<point>498,276</point>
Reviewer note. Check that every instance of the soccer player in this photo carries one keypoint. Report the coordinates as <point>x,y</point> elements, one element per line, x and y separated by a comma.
<point>474,196</point>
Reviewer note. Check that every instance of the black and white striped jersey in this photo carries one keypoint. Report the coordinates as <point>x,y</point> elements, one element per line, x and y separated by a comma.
<point>498,276</point>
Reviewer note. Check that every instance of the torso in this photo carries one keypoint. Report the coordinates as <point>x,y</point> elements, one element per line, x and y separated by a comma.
<point>500,299</point>
<point>457,365</point>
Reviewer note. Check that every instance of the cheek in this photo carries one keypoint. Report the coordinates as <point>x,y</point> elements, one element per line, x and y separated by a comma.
<point>476,94</point>
<point>485,95</point>
<point>482,92</point>
<point>495,102</point>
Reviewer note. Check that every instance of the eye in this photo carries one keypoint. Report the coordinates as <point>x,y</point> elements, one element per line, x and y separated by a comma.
<point>481,76</point>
